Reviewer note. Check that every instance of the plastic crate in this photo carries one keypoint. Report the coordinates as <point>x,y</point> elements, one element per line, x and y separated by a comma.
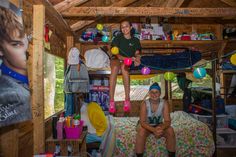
<point>231,110</point>
<point>226,138</point>
<point>232,123</point>
<point>74,133</point>
<point>221,120</point>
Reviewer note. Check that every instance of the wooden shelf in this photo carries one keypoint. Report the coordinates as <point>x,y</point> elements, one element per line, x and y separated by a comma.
<point>78,145</point>
<point>168,43</point>
<point>228,71</point>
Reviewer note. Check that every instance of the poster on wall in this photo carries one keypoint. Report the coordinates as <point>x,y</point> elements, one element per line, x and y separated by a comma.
<point>14,90</point>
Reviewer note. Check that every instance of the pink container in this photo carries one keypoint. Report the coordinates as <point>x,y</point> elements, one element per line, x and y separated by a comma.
<point>74,133</point>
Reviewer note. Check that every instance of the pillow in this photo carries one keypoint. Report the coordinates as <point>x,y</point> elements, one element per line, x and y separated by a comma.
<point>97,118</point>
<point>84,117</point>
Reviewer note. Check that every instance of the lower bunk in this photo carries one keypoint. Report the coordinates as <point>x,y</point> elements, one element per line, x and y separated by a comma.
<point>193,138</point>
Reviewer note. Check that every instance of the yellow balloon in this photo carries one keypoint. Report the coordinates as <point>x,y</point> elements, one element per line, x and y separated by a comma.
<point>169,76</point>
<point>99,27</point>
<point>233,59</point>
<point>115,50</point>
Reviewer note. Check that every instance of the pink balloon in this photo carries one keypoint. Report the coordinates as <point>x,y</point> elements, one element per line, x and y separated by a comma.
<point>145,70</point>
<point>128,61</point>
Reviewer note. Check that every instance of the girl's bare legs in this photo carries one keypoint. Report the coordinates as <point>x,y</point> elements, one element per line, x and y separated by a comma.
<point>126,82</point>
<point>115,66</point>
<point>141,137</point>
<point>170,139</point>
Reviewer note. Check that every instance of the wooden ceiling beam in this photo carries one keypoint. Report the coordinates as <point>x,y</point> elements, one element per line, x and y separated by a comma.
<point>179,3</point>
<point>231,3</point>
<point>80,24</point>
<point>61,27</point>
<point>67,4</point>
<point>149,11</point>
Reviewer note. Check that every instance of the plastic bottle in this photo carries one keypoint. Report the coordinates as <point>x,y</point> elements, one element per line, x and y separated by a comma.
<point>60,126</point>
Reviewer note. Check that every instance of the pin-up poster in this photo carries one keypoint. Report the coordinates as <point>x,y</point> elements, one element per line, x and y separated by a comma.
<point>14,90</point>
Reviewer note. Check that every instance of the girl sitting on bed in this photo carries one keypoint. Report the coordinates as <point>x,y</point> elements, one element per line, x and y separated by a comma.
<point>152,113</point>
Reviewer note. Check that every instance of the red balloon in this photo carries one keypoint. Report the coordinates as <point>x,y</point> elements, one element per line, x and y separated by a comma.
<point>128,61</point>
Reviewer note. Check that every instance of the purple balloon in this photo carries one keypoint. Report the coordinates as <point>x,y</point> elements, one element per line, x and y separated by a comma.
<point>145,70</point>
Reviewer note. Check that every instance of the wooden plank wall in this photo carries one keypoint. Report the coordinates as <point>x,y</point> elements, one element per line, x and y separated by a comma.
<point>16,140</point>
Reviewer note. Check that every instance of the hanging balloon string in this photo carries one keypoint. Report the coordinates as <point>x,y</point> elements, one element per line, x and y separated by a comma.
<point>189,67</point>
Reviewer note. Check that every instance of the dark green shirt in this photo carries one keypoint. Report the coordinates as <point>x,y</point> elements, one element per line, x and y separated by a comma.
<point>127,47</point>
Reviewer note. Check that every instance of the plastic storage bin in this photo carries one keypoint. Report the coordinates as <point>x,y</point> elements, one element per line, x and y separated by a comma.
<point>231,110</point>
<point>232,123</point>
<point>221,120</point>
<point>226,138</point>
<point>74,133</point>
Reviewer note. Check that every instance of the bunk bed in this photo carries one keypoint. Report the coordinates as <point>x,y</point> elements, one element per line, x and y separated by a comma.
<point>193,138</point>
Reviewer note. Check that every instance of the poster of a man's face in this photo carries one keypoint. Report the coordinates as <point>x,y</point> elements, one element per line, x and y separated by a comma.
<point>14,94</point>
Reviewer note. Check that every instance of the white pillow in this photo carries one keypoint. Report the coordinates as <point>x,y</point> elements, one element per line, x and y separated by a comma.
<point>96,58</point>
<point>84,117</point>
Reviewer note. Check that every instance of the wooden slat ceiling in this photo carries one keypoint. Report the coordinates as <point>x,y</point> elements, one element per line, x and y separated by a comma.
<point>78,23</point>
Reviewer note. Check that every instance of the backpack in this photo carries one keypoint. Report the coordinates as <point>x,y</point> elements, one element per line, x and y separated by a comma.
<point>76,81</point>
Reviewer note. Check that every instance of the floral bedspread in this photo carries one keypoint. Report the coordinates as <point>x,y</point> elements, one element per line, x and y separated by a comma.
<point>193,138</point>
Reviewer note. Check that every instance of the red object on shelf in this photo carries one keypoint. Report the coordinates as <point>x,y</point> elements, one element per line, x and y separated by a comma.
<point>46,33</point>
<point>186,37</point>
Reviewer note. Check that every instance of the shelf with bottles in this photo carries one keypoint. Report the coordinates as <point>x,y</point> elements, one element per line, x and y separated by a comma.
<point>67,147</point>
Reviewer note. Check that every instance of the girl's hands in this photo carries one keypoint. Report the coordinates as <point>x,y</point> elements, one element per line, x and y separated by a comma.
<point>158,131</point>
<point>137,61</point>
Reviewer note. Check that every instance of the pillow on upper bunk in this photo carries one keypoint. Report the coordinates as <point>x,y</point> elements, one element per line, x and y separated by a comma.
<point>97,118</point>
<point>96,58</point>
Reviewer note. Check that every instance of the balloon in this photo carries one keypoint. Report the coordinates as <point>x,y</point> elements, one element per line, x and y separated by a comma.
<point>99,27</point>
<point>115,50</point>
<point>145,70</point>
<point>169,76</point>
<point>233,59</point>
<point>128,61</point>
<point>199,73</point>
<point>105,38</point>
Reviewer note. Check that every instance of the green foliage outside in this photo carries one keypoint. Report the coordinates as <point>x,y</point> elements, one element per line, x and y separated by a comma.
<point>59,95</point>
<point>177,93</point>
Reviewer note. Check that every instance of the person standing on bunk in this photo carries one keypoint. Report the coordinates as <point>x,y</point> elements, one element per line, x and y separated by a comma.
<point>129,46</point>
<point>152,113</point>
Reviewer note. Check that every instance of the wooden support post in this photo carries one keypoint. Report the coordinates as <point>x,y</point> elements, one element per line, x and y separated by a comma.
<point>219,30</point>
<point>221,74</point>
<point>36,82</point>
<point>169,95</point>
<point>214,102</point>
